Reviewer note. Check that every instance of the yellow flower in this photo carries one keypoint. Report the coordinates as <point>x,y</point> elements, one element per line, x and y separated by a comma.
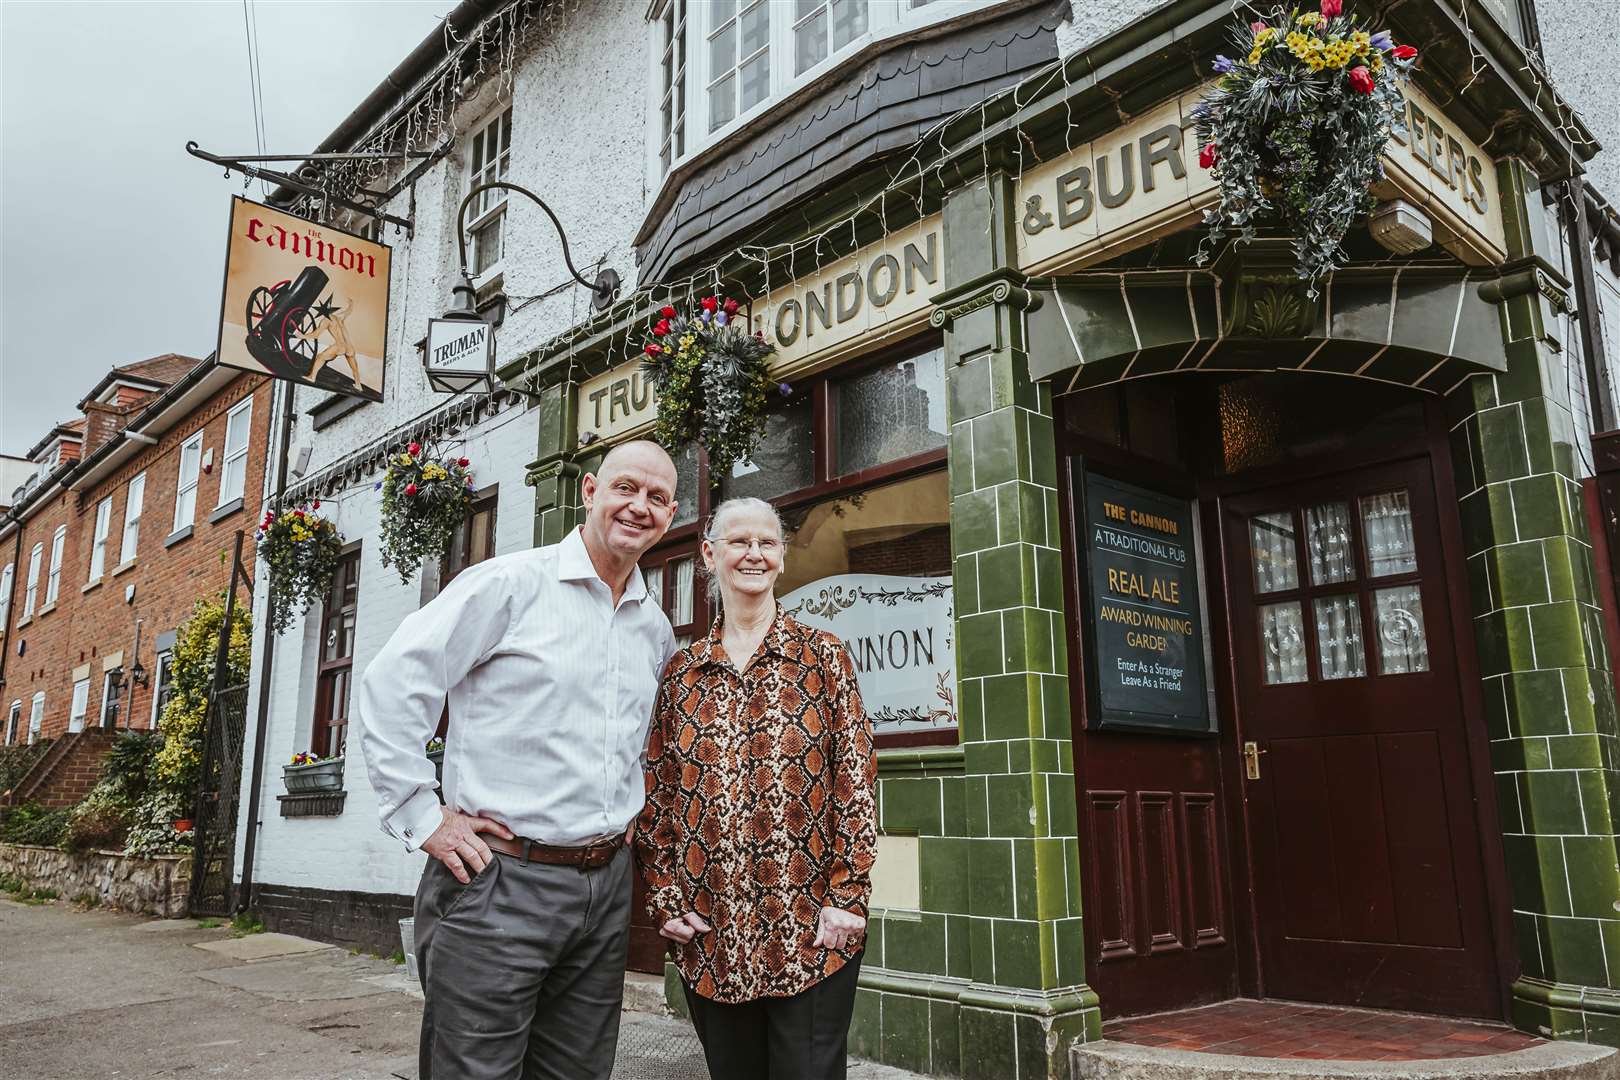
<point>405,459</point>
<point>1310,18</point>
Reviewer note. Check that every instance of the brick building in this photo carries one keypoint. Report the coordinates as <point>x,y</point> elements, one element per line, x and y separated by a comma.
<point>130,518</point>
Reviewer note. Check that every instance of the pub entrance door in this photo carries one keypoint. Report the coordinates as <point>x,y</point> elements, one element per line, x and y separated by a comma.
<point>1368,877</point>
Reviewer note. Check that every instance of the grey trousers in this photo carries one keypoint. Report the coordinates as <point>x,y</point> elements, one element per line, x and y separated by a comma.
<point>523,970</point>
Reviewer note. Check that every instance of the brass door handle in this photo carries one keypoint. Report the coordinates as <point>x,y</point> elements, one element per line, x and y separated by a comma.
<point>1251,759</point>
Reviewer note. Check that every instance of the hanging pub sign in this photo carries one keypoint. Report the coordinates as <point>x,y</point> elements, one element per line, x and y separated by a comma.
<point>303,302</point>
<point>898,633</point>
<point>460,354</point>
<point>1145,664</point>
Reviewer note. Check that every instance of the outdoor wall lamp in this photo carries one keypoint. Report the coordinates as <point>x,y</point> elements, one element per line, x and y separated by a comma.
<point>138,674</point>
<point>460,354</point>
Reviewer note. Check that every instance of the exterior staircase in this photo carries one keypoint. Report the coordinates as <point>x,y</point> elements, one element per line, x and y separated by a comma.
<point>67,771</point>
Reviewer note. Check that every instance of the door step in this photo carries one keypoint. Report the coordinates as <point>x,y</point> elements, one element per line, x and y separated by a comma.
<point>1110,1060</point>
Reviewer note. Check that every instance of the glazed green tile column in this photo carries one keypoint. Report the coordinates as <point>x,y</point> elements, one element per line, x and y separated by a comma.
<point>1027,1002</point>
<point>1549,693</point>
<point>555,474</point>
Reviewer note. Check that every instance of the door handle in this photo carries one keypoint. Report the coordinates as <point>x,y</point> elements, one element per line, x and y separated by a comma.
<point>1251,759</point>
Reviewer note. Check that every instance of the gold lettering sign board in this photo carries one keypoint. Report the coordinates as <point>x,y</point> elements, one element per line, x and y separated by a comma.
<point>1143,180</point>
<point>862,299</point>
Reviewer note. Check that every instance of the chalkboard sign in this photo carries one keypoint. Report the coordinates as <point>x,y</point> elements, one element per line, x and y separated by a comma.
<point>1146,636</point>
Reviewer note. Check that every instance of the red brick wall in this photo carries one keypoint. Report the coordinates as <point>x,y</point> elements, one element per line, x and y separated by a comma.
<point>926,551</point>
<point>92,621</point>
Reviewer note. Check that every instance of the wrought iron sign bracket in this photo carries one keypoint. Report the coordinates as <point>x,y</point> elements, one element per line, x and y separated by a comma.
<point>603,290</point>
<point>243,163</point>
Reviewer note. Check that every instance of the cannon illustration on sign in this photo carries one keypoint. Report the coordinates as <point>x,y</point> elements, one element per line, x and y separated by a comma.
<point>282,324</point>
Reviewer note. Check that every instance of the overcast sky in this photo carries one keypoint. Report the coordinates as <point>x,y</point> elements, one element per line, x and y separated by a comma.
<point>111,235</point>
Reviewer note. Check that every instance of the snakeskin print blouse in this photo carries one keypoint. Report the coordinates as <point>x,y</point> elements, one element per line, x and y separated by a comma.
<point>760,809</point>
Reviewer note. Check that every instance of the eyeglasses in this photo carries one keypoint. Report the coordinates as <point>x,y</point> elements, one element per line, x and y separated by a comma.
<point>768,545</point>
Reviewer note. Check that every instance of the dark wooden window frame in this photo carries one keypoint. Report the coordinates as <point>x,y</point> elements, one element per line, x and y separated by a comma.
<point>327,671</point>
<point>454,562</point>
<point>826,484</point>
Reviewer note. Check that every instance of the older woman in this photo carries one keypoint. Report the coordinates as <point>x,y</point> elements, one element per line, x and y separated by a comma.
<point>759,830</point>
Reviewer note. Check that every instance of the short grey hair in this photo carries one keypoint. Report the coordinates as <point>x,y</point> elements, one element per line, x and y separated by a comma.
<point>727,510</point>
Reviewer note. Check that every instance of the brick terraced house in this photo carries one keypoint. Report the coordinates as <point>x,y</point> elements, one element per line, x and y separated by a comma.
<point>130,517</point>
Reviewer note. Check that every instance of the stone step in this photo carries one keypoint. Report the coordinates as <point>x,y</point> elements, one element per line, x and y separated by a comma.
<point>644,993</point>
<point>1108,1060</point>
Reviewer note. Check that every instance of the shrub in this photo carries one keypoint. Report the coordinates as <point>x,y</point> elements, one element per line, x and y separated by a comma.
<point>96,825</point>
<point>152,829</point>
<point>15,761</point>
<point>131,766</point>
<point>185,717</point>
<point>33,824</point>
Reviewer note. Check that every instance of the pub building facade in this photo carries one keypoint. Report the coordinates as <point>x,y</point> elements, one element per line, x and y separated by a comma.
<point>1271,657</point>
<point>1221,640</point>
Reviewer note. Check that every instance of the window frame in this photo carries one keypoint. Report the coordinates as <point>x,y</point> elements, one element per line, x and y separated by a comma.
<point>494,204</point>
<point>671,80</point>
<point>330,674</point>
<point>79,710</point>
<point>53,580</point>
<point>98,540</point>
<point>228,457</point>
<point>36,717</point>
<point>184,486</point>
<point>36,558</point>
<point>485,501</point>
<point>162,666</point>
<point>8,577</point>
<point>885,19</point>
<point>113,687</point>
<point>826,484</point>
<point>134,504</point>
<point>13,720</point>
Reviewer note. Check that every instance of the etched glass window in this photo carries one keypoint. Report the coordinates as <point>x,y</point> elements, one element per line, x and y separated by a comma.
<point>1282,644</point>
<point>1403,646</point>
<point>1271,543</point>
<point>686,486</point>
<point>1338,637</point>
<point>892,412</point>
<point>1328,545</point>
<point>783,461</point>
<point>1386,529</point>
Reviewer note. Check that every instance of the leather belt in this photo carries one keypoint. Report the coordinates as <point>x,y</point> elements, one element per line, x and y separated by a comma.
<point>586,858</point>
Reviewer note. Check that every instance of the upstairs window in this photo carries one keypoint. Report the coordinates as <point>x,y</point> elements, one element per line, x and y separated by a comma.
<point>233,474</point>
<point>53,584</point>
<point>490,159</point>
<point>185,489</point>
<point>739,59</point>
<point>98,545</point>
<point>132,519</point>
<point>5,595</point>
<point>672,76</point>
<point>823,27</point>
<point>32,595</point>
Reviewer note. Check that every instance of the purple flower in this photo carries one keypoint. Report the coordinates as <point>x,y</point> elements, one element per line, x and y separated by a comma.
<point>1382,41</point>
<point>719,318</point>
<point>1223,64</point>
<point>784,389</point>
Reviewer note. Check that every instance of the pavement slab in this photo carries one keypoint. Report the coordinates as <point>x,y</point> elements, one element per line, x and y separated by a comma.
<point>263,946</point>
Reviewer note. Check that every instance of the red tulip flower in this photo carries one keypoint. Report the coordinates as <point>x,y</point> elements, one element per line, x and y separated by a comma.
<point>1332,9</point>
<point>414,449</point>
<point>410,489</point>
<point>298,513</point>
<point>1208,156</point>
<point>730,307</point>
<point>317,505</point>
<point>667,311</point>
<point>661,327</point>
<point>1404,52</point>
<point>463,462</point>
<point>709,303</point>
<point>1361,80</point>
<point>653,350</point>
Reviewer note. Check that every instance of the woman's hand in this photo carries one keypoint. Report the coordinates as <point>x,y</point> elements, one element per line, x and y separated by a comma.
<point>684,928</point>
<point>838,928</point>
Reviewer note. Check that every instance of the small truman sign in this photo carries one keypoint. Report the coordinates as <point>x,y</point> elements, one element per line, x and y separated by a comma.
<point>459,352</point>
<point>898,633</point>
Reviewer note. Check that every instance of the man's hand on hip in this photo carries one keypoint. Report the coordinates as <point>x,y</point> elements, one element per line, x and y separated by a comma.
<point>456,842</point>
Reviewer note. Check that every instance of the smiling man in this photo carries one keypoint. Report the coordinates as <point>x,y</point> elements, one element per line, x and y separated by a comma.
<point>550,660</point>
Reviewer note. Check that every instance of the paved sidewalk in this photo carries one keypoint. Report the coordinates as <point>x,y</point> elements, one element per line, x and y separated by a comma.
<point>101,994</point>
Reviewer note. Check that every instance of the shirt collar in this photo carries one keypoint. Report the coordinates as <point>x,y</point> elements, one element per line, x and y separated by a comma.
<point>783,638</point>
<point>574,564</point>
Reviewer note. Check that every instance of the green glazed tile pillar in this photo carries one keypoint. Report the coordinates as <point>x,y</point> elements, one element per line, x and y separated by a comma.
<point>1549,693</point>
<point>555,474</point>
<point>1027,1001</point>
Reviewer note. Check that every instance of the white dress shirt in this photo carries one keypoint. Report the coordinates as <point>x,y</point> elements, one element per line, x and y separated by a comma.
<point>551,691</point>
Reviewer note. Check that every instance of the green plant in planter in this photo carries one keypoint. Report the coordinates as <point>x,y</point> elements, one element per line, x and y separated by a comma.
<point>302,550</point>
<point>424,502</point>
<point>713,381</point>
<point>1296,129</point>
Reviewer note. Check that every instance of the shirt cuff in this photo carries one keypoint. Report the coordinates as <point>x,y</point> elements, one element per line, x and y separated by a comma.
<point>416,820</point>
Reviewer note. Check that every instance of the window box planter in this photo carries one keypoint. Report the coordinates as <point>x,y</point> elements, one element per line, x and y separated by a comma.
<point>320,776</point>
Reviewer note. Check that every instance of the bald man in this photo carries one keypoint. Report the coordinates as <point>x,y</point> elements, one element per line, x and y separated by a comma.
<point>550,660</point>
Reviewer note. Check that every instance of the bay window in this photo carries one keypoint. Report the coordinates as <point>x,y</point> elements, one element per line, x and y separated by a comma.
<point>739,58</point>
<point>824,27</point>
<point>672,83</point>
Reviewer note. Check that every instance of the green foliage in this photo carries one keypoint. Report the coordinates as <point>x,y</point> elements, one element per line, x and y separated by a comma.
<point>15,761</point>
<point>192,671</point>
<point>100,823</point>
<point>209,924</point>
<point>424,502</point>
<point>151,825</point>
<point>246,923</point>
<point>713,381</point>
<point>398,957</point>
<point>302,550</point>
<point>130,769</point>
<point>1295,130</point>
<point>33,824</point>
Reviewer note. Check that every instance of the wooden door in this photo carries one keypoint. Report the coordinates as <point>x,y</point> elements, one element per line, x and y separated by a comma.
<point>1367,872</point>
<point>672,577</point>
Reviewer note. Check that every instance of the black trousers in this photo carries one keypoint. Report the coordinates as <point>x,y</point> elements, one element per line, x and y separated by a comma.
<point>803,1037</point>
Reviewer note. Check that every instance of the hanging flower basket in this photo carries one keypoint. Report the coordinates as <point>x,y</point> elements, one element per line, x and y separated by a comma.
<point>302,550</point>
<point>712,380</point>
<point>1295,130</point>
<point>423,503</point>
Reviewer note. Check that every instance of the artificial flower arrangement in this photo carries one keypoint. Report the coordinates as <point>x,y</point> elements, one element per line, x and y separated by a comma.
<point>302,550</point>
<point>1297,128</point>
<point>304,757</point>
<point>712,380</point>
<point>423,503</point>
